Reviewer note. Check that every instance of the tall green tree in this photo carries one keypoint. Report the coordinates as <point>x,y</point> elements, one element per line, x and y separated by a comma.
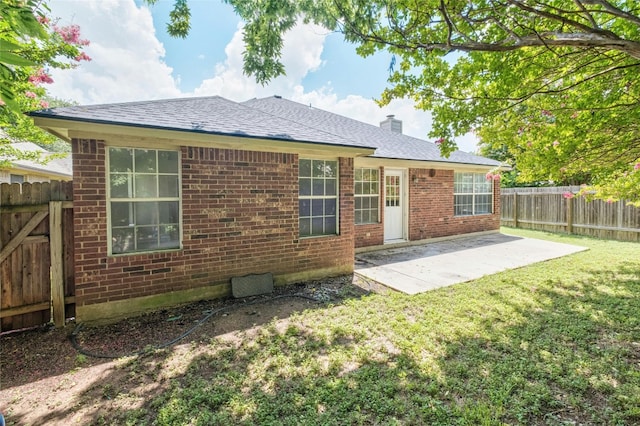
<point>554,84</point>
<point>30,46</point>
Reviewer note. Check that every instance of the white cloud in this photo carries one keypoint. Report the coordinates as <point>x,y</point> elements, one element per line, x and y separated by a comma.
<point>415,122</point>
<point>301,54</point>
<point>128,64</point>
<point>127,58</point>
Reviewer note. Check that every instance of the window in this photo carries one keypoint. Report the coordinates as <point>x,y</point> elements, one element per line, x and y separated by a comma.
<point>367,189</point>
<point>16,178</point>
<point>318,197</point>
<point>144,200</point>
<point>472,194</point>
<point>392,191</point>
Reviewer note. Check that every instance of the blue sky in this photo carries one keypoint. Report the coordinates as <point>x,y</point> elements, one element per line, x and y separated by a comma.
<point>134,59</point>
<point>212,25</point>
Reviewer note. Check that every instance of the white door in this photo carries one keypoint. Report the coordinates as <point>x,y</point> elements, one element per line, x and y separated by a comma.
<point>393,205</point>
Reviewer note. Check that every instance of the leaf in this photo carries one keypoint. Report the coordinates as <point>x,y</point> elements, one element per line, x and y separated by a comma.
<point>29,23</point>
<point>13,59</point>
<point>8,97</point>
<point>6,73</point>
<point>7,46</point>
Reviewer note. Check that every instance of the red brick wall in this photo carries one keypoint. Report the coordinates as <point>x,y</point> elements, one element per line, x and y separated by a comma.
<point>431,208</point>
<point>370,234</point>
<point>431,211</point>
<point>239,216</point>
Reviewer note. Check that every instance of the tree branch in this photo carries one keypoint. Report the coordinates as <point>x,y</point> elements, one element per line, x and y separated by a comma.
<point>559,18</point>
<point>611,9</point>
<point>586,13</point>
<point>443,10</point>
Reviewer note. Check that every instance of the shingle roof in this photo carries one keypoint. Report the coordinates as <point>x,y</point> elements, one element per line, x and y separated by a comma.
<point>53,166</point>
<point>267,118</point>
<point>209,115</point>
<point>389,144</point>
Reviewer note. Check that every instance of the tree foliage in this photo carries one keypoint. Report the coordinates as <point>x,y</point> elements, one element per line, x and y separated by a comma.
<point>30,46</point>
<point>553,84</point>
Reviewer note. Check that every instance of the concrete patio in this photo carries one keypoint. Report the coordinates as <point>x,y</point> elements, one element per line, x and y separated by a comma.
<point>420,268</point>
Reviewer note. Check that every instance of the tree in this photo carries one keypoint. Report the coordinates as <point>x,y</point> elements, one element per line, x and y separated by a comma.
<point>30,45</point>
<point>553,83</point>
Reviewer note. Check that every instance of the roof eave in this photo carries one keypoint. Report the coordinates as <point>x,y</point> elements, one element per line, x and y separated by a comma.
<point>39,171</point>
<point>404,162</point>
<point>65,127</point>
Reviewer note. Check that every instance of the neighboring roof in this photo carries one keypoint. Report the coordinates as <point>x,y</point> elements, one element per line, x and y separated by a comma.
<point>52,167</point>
<point>388,144</point>
<point>209,115</point>
<point>271,118</point>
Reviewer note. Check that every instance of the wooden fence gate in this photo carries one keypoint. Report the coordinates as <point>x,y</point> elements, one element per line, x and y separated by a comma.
<point>36,254</point>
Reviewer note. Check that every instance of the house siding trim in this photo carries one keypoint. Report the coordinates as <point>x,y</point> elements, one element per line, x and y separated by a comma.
<point>371,161</point>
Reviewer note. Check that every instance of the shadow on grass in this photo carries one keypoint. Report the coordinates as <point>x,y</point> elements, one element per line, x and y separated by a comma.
<point>573,358</point>
<point>507,350</point>
<point>34,359</point>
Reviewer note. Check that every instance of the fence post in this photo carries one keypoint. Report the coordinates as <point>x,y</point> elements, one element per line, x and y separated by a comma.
<point>569,215</point>
<point>56,273</point>
<point>620,218</point>
<point>515,209</point>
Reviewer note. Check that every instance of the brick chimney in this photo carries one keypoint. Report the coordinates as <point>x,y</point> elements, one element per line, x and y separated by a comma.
<point>391,123</point>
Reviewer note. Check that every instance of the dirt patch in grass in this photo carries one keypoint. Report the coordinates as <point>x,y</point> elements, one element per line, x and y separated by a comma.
<point>44,379</point>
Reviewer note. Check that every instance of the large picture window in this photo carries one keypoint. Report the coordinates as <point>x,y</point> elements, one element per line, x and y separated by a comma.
<point>144,200</point>
<point>318,197</point>
<point>367,198</point>
<point>473,194</point>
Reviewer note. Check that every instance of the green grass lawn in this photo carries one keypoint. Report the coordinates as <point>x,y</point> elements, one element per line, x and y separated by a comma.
<point>553,343</point>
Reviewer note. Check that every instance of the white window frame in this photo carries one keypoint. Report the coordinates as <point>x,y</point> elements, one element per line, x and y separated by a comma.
<point>311,197</point>
<point>132,199</point>
<point>479,182</point>
<point>366,194</point>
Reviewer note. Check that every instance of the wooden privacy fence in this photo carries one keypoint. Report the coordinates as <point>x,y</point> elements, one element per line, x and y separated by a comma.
<point>36,254</point>
<point>548,209</point>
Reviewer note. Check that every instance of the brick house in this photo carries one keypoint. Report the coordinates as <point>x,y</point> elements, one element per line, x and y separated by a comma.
<point>173,198</point>
<point>21,171</point>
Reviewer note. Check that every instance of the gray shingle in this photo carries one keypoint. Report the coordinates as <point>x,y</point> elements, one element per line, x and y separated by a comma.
<point>388,144</point>
<point>209,115</point>
<point>267,118</point>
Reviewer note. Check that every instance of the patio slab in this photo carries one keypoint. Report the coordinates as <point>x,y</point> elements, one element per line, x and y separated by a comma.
<point>416,269</point>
